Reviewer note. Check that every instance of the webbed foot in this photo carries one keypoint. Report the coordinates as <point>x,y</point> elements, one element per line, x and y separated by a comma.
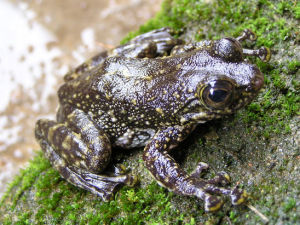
<point>209,189</point>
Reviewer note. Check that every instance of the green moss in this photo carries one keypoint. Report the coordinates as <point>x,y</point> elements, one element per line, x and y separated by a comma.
<point>289,205</point>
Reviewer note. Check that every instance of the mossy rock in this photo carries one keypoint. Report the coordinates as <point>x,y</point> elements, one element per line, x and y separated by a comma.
<point>258,146</point>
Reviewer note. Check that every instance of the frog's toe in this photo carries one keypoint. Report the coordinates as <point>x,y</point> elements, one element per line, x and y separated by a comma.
<point>120,169</point>
<point>212,203</point>
<point>238,196</point>
<point>222,178</point>
<point>201,167</point>
<point>132,180</point>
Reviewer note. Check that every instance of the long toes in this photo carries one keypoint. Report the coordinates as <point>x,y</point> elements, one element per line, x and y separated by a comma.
<point>201,167</point>
<point>238,196</point>
<point>120,169</point>
<point>222,178</point>
<point>131,180</point>
<point>212,203</point>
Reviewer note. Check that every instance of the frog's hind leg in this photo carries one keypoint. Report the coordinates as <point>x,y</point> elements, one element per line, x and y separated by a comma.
<point>100,185</point>
<point>86,66</point>
<point>155,43</point>
<point>79,151</point>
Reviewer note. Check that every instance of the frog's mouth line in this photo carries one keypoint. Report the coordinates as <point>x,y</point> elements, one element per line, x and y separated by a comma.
<point>243,98</point>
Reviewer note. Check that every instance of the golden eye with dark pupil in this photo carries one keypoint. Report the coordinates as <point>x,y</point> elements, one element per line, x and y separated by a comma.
<point>217,94</point>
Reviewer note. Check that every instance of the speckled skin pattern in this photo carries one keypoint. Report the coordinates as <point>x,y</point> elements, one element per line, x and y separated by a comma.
<point>150,92</point>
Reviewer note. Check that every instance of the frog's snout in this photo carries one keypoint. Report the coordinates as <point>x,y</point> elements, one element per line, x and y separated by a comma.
<point>258,82</point>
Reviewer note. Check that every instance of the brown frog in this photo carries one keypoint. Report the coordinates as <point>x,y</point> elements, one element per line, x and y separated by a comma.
<point>152,92</point>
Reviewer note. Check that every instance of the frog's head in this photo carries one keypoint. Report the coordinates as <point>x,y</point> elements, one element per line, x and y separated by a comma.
<point>226,81</point>
<point>232,82</point>
<point>223,93</point>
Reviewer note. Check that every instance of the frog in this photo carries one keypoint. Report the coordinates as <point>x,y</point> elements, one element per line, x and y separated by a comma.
<point>150,92</point>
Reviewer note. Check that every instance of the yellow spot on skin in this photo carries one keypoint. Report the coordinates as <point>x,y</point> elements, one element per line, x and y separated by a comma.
<point>74,75</point>
<point>227,177</point>
<point>76,84</point>
<point>159,110</point>
<point>97,96</point>
<point>133,101</point>
<point>78,105</point>
<point>190,90</point>
<point>178,66</point>
<point>87,96</point>
<point>148,78</point>
<point>75,95</point>
<point>176,95</point>
<point>107,96</point>
<point>215,208</point>
<point>167,139</point>
<point>244,196</point>
<point>156,145</point>
<point>66,144</point>
<point>87,127</point>
<point>162,71</point>
<point>165,146</point>
<point>52,130</point>
<point>77,163</point>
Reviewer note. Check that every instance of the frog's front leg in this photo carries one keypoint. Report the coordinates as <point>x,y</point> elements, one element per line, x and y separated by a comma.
<point>168,174</point>
<point>79,151</point>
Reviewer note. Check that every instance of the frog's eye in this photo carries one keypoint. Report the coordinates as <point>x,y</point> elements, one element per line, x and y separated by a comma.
<point>217,94</point>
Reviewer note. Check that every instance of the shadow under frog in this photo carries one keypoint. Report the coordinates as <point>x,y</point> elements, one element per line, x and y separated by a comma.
<point>150,92</point>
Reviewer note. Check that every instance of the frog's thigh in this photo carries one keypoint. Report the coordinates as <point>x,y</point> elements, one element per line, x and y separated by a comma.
<point>78,153</point>
<point>88,150</point>
<point>86,66</point>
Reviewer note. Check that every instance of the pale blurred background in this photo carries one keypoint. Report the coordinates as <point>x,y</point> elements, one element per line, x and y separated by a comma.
<point>40,40</point>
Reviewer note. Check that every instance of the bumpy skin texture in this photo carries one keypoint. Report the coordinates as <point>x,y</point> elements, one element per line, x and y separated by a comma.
<point>150,92</point>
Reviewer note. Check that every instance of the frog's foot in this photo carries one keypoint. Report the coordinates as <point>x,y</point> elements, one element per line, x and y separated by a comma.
<point>263,53</point>
<point>101,185</point>
<point>221,178</point>
<point>201,167</point>
<point>120,169</point>
<point>152,44</point>
<point>213,203</point>
<point>209,189</point>
<point>247,35</point>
